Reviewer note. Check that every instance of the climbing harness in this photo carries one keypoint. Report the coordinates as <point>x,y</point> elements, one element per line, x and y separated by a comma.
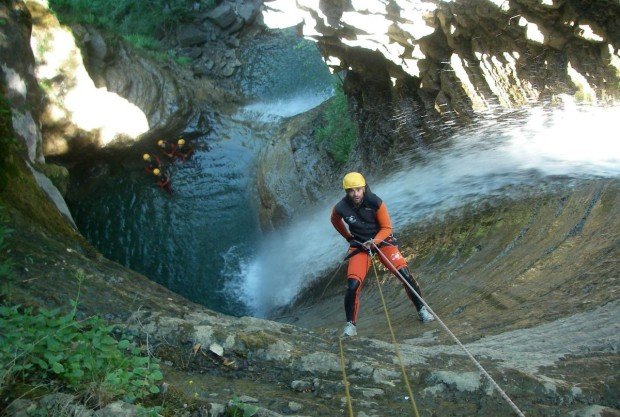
<point>458,342</point>
<point>358,249</point>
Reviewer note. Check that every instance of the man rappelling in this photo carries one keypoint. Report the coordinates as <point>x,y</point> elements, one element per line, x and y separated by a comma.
<point>368,229</point>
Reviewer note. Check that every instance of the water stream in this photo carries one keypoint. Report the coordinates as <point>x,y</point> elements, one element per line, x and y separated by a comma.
<point>194,240</point>
<point>502,155</point>
<point>204,241</point>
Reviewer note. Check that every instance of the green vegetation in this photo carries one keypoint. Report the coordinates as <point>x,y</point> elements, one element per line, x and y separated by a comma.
<point>7,140</point>
<point>42,350</point>
<point>37,347</point>
<point>240,409</point>
<point>144,42</point>
<point>183,60</point>
<point>5,265</point>
<point>339,133</point>
<point>141,23</point>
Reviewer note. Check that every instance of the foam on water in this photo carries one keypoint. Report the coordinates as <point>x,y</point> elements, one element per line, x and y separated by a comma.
<point>286,107</point>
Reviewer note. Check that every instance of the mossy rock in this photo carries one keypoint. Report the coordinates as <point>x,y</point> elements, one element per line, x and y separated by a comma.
<point>59,176</point>
<point>256,340</point>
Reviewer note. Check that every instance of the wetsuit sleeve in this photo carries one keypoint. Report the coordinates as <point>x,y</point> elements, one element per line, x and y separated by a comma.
<point>339,225</point>
<point>385,226</point>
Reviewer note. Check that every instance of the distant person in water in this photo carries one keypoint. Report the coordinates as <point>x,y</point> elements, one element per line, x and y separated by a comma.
<point>183,151</point>
<point>152,162</point>
<point>163,181</point>
<point>167,148</point>
<point>362,219</point>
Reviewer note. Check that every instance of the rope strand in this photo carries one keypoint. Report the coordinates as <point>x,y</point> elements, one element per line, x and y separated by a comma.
<point>400,359</point>
<point>344,379</point>
<point>458,342</point>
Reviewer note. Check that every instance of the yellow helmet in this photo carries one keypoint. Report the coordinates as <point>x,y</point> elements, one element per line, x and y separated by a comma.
<point>156,171</point>
<point>181,142</point>
<point>146,156</point>
<point>353,180</point>
<point>160,142</point>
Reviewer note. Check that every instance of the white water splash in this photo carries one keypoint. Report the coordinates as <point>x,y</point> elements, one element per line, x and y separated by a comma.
<point>501,155</point>
<point>287,107</point>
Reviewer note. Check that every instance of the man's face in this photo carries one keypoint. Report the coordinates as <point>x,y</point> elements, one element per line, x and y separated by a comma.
<point>356,194</point>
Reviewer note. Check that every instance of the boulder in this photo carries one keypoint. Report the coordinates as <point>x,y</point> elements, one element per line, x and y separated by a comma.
<point>223,15</point>
<point>190,35</point>
<point>248,12</point>
<point>236,27</point>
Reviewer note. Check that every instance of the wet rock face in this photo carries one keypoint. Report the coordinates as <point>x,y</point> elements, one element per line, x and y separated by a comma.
<point>443,61</point>
<point>163,96</point>
<point>101,92</point>
<point>309,170</point>
<point>17,81</point>
<point>212,38</point>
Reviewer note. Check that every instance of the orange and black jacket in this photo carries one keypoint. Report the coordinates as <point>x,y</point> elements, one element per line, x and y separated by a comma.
<point>368,221</point>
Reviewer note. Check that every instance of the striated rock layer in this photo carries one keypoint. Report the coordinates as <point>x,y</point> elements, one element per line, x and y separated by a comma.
<point>102,93</point>
<point>415,67</point>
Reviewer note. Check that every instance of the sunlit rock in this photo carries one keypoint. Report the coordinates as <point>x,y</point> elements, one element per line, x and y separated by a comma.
<point>14,83</point>
<point>614,59</point>
<point>281,14</point>
<point>79,108</point>
<point>477,99</point>
<point>532,31</point>
<point>586,92</point>
<point>586,32</point>
<point>26,127</point>
<point>53,194</point>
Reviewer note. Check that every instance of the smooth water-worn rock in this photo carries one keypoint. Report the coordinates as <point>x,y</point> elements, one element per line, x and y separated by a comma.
<point>103,93</point>
<point>17,77</point>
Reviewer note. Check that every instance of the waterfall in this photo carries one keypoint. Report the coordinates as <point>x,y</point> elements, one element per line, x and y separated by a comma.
<point>502,155</point>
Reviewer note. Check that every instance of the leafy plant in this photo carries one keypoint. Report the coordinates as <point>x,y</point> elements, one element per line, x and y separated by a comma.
<point>153,19</point>
<point>5,265</point>
<point>339,133</point>
<point>240,409</point>
<point>183,60</point>
<point>43,345</point>
<point>143,41</point>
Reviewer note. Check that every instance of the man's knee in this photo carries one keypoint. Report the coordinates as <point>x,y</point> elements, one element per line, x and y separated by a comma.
<point>409,278</point>
<point>353,284</point>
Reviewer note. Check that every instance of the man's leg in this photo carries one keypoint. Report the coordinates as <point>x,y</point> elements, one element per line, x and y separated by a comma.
<point>398,263</point>
<point>356,273</point>
<point>412,281</point>
<point>351,299</point>
<point>423,312</point>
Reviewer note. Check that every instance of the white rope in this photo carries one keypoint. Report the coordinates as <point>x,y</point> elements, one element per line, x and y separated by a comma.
<point>458,342</point>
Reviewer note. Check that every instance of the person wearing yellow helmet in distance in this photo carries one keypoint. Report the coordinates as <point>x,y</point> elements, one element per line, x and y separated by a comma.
<point>152,162</point>
<point>363,220</point>
<point>163,181</point>
<point>167,148</point>
<point>183,151</point>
